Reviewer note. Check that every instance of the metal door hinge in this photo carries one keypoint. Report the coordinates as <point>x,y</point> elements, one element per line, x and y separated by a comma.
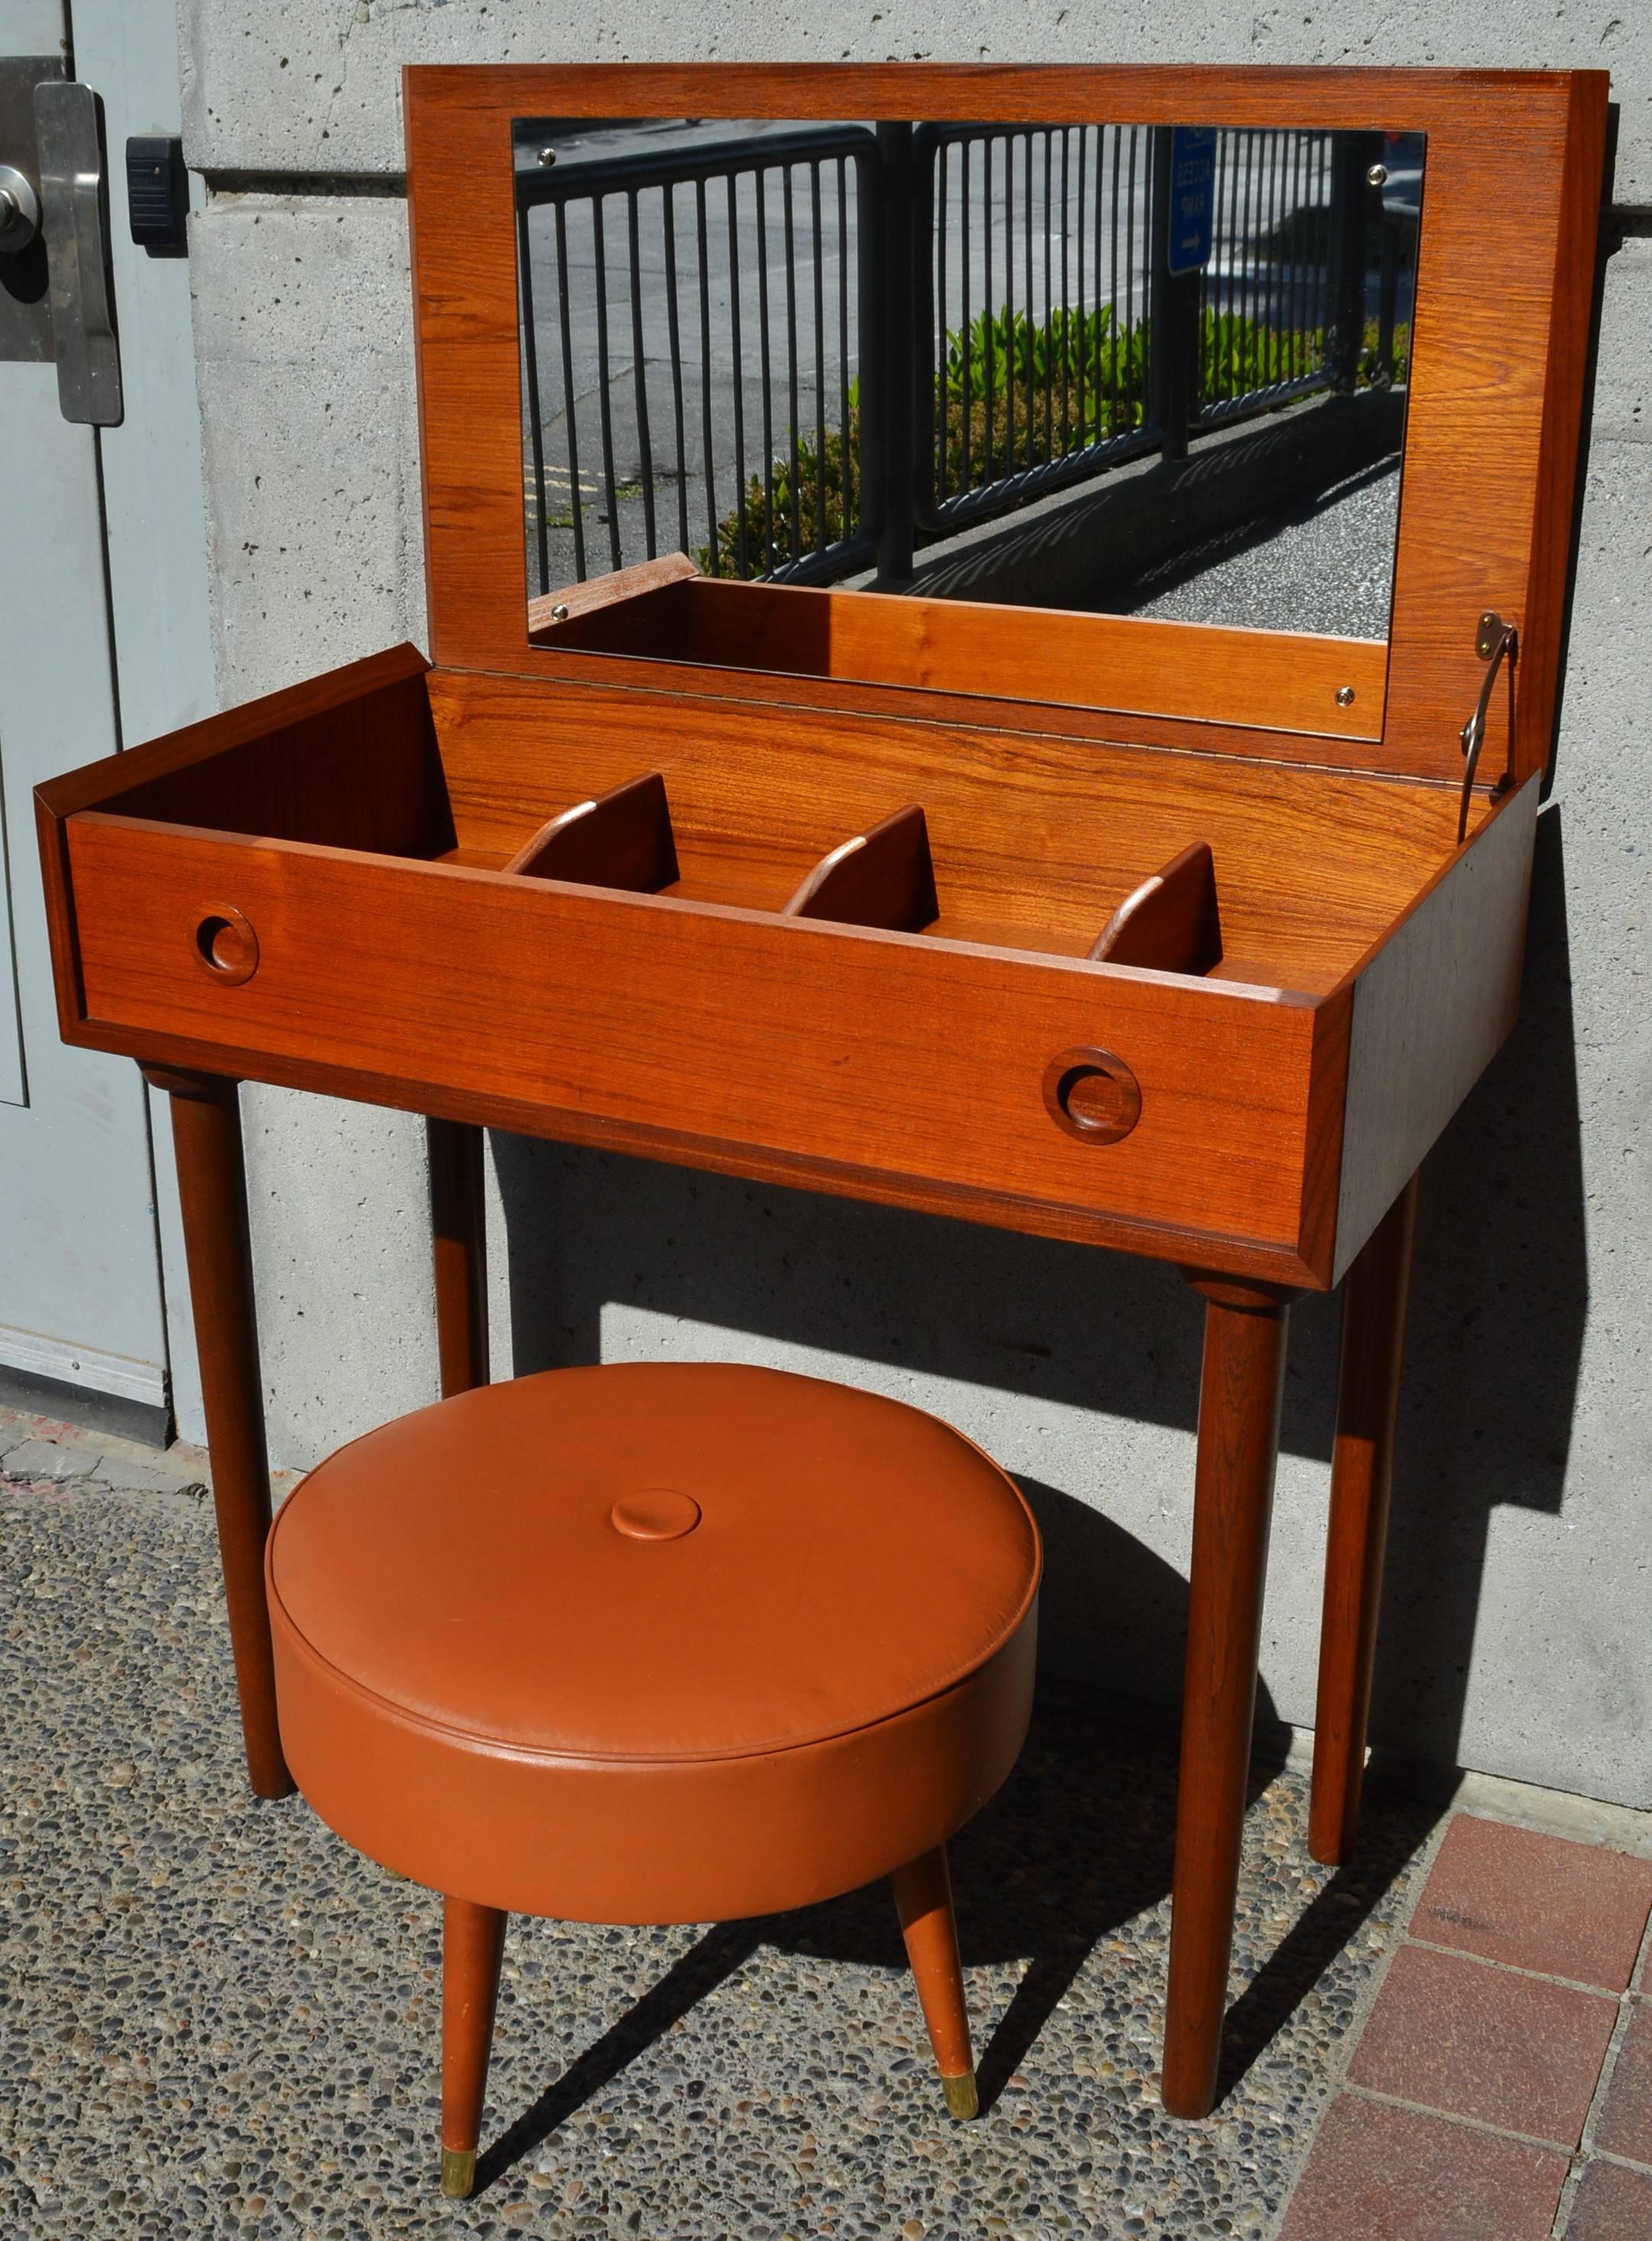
<point>57,292</point>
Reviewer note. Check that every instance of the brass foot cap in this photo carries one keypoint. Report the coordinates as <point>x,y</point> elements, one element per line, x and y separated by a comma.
<point>963,2101</point>
<point>458,2172</point>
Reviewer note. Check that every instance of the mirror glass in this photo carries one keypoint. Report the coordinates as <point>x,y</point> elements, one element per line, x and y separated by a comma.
<point>1116,369</point>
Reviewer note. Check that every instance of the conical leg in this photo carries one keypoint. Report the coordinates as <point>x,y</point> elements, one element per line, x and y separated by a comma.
<point>1367,1412</point>
<point>1239,1407</point>
<point>472,1946</point>
<point>924,1899</point>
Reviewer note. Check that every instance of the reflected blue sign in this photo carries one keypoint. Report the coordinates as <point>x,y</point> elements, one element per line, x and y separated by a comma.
<point>1193,196</point>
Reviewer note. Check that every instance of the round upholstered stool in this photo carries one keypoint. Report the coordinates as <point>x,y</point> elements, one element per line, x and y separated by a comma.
<point>653,1644</point>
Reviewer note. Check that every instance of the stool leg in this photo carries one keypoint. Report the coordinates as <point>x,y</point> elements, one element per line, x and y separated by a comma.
<point>923,1900</point>
<point>472,1946</point>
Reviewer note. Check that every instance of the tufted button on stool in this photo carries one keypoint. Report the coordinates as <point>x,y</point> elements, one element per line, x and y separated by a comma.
<point>654,1644</point>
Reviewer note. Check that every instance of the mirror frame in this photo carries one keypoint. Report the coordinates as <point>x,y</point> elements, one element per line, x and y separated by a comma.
<point>1505,266</point>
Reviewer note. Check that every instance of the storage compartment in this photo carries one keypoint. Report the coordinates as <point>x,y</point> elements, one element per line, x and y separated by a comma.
<point>1099,991</point>
<point>1035,844</point>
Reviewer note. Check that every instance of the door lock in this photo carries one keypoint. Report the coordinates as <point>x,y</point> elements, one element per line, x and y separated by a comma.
<point>57,292</point>
<point>19,211</point>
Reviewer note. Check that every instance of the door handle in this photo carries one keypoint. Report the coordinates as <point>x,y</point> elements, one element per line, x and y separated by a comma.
<point>19,211</point>
<point>74,213</point>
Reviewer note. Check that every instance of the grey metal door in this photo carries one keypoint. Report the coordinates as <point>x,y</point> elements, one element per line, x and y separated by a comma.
<point>103,641</point>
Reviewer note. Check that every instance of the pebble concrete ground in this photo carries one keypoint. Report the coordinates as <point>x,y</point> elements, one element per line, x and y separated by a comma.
<point>220,2021</point>
<point>1324,565</point>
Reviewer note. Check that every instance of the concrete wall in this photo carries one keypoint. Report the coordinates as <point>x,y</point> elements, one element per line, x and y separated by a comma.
<point>1515,1632</point>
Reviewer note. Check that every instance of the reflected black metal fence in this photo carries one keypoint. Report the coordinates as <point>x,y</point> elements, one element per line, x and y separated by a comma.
<point>765,464</point>
<point>1040,260</point>
<point>798,354</point>
<point>1265,299</point>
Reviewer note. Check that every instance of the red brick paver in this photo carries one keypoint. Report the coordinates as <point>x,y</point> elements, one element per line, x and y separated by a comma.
<point>1611,2204</point>
<point>1378,2173</point>
<point>1481,2041</point>
<point>1473,2039</point>
<point>1536,1902</point>
<point>1625,2127</point>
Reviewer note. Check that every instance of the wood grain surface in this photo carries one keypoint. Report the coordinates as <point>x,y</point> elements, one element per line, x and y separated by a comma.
<point>1240,1388</point>
<point>458,1254</point>
<point>883,877</point>
<point>282,763</point>
<point>1503,287</point>
<point>1172,922</point>
<point>1035,839</point>
<point>619,839</point>
<point>1032,841</point>
<point>899,1059</point>
<point>211,1182</point>
<point>1273,679</point>
<point>557,609</point>
<point>1368,1409</point>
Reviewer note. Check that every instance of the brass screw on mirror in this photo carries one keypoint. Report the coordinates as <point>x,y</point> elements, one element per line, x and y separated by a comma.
<point>1376,177</point>
<point>1345,696</point>
<point>547,156</point>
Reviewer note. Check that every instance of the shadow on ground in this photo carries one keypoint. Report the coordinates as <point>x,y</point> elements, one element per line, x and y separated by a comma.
<point>1075,1850</point>
<point>1498,1306</point>
<point>1079,1844</point>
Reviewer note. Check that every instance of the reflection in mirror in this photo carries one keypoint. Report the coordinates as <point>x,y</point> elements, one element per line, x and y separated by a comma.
<point>1111,369</point>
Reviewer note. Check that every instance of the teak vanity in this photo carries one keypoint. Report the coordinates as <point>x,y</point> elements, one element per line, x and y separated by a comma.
<point>1154,935</point>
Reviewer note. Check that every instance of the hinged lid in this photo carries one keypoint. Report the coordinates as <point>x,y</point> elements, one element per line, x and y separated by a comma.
<point>1498,343</point>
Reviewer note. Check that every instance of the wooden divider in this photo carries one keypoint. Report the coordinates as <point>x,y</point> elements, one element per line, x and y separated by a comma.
<point>1171,921</point>
<point>884,877</point>
<point>621,839</point>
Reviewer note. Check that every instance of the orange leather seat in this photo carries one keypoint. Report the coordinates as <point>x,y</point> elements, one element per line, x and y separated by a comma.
<point>654,1642</point>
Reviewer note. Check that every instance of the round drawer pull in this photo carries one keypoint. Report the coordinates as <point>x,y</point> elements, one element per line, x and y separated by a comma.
<point>1092,1095</point>
<point>225,944</point>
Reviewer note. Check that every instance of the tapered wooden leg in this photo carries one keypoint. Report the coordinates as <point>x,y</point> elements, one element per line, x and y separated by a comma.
<point>211,1185</point>
<point>473,1946</point>
<point>1367,1409</point>
<point>458,1234</point>
<point>1239,1405</point>
<point>923,1900</point>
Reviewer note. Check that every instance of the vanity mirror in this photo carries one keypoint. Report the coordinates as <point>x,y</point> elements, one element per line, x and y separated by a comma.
<point>1103,369</point>
<point>1180,922</point>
